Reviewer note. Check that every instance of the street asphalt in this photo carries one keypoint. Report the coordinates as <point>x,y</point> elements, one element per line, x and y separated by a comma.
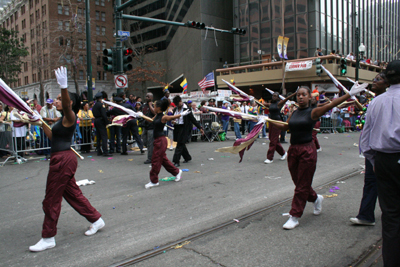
<point>216,189</point>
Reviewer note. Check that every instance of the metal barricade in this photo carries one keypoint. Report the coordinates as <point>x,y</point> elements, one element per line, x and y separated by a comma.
<point>6,143</point>
<point>326,124</point>
<point>23,143</point>
<point>206,120</point>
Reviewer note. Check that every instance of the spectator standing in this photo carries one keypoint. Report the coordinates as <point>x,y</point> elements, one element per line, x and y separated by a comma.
<point>85,116</point>
<point>50,115</point>
<point>148,131</point>
<point>380,143</point>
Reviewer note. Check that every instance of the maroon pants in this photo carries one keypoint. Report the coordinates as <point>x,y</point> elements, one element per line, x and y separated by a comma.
<point>302,161</point>
<point>314,135</point>
<point>273,135</point>
<point>159,159</point>
<point>61,183</point>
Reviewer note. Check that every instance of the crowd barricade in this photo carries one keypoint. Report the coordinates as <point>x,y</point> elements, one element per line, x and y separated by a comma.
<point>326,124</point>
<point>207,120</point>
<point>20,147</point>
<point>6,143</point>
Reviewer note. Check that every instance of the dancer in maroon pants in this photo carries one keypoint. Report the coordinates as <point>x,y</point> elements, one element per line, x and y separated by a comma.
<point>160,143</point>
<point>273,133</point>
<point>63,163</point>
<point>302,154</point>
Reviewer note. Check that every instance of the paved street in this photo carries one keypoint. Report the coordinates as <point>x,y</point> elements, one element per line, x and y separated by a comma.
<point>212,192</point>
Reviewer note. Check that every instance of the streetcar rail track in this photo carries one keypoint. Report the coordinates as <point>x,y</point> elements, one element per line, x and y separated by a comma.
<point>165,248</point>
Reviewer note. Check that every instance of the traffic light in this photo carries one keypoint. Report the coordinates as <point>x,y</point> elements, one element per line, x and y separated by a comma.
<point>127,59</point>
<point>238,31</point>
<point>109,60</point>
<point>343,66</point>
<point>195,24</point>
<point>318,67</point>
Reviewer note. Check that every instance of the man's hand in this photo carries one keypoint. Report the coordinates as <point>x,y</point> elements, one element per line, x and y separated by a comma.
<point>202,131</point>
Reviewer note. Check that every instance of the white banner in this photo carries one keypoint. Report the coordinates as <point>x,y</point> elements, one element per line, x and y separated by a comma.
<point>301,65</point>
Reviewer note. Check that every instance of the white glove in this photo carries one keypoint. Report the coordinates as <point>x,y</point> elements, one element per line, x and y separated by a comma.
<point>186,112</point>
<point>357,88</point>
<point>62,77</point>
<point>140,114</point>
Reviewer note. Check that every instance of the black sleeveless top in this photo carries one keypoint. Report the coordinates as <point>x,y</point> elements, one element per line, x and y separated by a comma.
<point>158,126</point>
<point>62,136</point>
<point>301,126</point>
<point>275,112</point>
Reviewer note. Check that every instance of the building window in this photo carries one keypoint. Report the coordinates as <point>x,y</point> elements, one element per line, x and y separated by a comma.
<point>45,42</point>
<point>12,19</point>
<point>103,31</point>
<point>97,15</point>
<point>22,9</point>
<point>16,16</point>
<point>79,11</point>
<point>80,46</point>
<point>31,18</point>
<point>33,49</point>
<point>38,30</point>
<point>99,75</point>
<point>23,24</point>
<point>26,80</point>
<point>97,30</point>
<point>19,82</point>
<point>102,2</point>
<point>66,10</point>
<point>16,28</point>
<point>44,10</point>
<point>81,59</point>
<point>24,38</point>
<point>25,66</point>
<point>98,46</point>
<point>104,45</point>
<point>44,25</point>
<point>97,2</point>
<point>60,8</point>
<point>105,76</point>
<point>60,41</point>
<point>81,75</point>
<point>103,16</point>
<point>32,33</point>
<point>98,60</point>
<point>60,25</point>
<point>67,25</point>
<point>34,78</point>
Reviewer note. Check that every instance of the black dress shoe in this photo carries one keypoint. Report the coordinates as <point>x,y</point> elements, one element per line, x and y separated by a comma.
<point>111,151</point>
<point>177,164</point>
<point>142,151</point>
<point>118,151</point>
<point>99,154</point>
<point>107,155</point>
<point>124,153</point>
<point>147,162</point>
<point>186,161</point>
<point>282,142</point>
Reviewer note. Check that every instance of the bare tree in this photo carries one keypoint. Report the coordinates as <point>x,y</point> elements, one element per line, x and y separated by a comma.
<point>144,70</point>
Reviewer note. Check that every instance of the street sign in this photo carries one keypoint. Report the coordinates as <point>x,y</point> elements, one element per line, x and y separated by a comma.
<point>124,33</point>
<point>124,38</point>
<point>121,81</point>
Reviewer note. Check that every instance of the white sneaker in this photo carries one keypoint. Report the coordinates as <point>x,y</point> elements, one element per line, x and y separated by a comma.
<point>267,161</point>
<point>96,226</point>
<point>43,244</point>
<point>171,148</point>
<point>361,156</point>
<point>361,222</point>
<point>284,156</point>
<point>319,149</point>
<point>318,205</point>
<point>178,176</point>
<point>145,149</point>
<point>291,223</point>
<point>150,185</point>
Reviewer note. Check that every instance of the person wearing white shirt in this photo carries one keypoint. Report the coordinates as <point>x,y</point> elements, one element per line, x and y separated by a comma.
<point>50,115</point>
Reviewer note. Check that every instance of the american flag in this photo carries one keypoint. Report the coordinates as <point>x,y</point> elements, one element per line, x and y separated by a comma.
<point>207,81</point>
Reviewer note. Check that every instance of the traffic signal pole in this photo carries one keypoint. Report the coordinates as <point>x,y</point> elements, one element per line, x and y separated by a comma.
<point>120,51</point>
<point>88,54</point>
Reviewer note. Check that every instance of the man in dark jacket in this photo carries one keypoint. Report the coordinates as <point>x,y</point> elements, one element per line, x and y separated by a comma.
<point>182,127</point>
<point>131,126</point>
<point>100,122</point>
